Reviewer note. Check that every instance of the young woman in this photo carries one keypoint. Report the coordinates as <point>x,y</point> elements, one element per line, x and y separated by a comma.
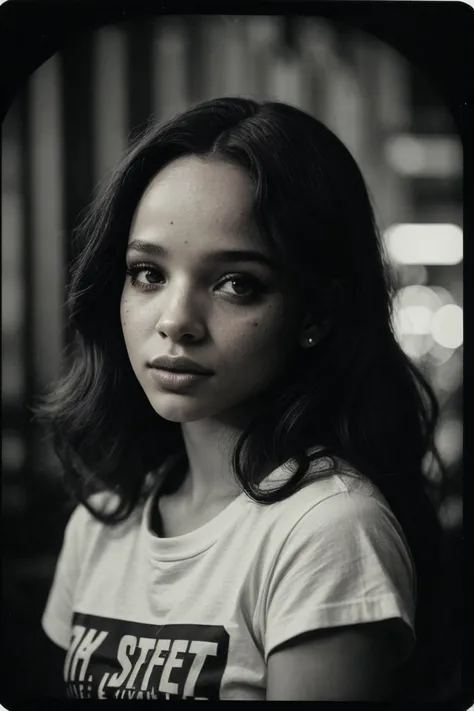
<point>241,431</point>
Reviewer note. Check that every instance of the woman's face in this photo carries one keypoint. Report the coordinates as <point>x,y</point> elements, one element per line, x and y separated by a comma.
<point>200,285</point>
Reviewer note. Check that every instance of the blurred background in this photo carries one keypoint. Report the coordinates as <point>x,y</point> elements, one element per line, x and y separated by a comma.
<point>64,133</point>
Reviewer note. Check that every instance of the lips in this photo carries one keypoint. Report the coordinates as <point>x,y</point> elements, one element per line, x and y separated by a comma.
<point>177,365</point>
<point>178,375</point>
<point>175,381</point>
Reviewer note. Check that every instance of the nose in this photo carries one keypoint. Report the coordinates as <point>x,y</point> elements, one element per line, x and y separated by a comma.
<point>179,319</point>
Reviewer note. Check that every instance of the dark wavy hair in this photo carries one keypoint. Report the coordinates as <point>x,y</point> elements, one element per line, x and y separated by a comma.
<point>356,393</point>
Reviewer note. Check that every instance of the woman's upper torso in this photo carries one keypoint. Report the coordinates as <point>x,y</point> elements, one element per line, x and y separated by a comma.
<point>197,615</point>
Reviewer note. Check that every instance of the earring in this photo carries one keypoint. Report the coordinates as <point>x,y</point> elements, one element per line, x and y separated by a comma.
<point>310,341</point>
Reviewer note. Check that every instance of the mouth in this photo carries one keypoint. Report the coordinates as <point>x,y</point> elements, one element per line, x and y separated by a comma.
<point>176,380</point>
<point>179,365</point>
<point>179,371</point>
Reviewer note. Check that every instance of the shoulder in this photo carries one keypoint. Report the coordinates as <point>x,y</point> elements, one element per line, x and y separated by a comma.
<point>337,534</point>
<point>341,510</point>
<point>336,557</point>
<point>332,493</point>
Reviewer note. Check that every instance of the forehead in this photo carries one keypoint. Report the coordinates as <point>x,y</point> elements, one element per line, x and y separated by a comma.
<point>193,191</point>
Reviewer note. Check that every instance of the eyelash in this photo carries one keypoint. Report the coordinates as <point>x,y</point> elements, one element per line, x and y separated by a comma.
<point>256,286</point>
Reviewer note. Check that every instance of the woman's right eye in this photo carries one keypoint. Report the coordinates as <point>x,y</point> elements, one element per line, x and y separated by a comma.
<point>144,276</point>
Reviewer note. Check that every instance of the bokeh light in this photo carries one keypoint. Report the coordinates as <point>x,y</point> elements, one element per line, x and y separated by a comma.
<point>427,321</point>
<point>447,326</point>
<point>431,156</point>
<point>413,243</point>
<point>449,439</point>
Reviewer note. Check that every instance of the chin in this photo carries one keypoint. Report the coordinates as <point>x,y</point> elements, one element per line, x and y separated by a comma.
<point>176,408</point>
<point>184,409</point>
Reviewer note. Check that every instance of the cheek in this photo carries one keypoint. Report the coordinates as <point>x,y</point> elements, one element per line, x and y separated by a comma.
<point>124,306</point>
<point>132,329</point>
<point>125,316</point>
<point>132,318</point>
<point>269,333</point>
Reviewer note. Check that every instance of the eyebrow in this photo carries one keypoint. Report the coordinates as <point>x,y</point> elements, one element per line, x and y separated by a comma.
<point>224,256</point>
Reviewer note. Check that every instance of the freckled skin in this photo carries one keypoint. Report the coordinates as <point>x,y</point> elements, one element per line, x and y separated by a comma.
<point>245,344</point>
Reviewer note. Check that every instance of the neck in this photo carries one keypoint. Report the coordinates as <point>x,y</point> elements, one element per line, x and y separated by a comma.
<point>209,447</point>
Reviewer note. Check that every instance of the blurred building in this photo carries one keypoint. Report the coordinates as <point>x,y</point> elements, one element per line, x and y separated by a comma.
<point>66,130</point>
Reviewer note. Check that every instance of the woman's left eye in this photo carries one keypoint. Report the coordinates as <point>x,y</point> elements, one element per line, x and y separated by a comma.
<point>241,286</point>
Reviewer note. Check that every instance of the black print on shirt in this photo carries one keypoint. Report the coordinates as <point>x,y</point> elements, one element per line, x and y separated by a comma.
<point>119,659</point>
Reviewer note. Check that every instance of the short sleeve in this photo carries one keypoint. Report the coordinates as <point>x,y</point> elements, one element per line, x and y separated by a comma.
<point>345,562</point>
<point>57,616</point>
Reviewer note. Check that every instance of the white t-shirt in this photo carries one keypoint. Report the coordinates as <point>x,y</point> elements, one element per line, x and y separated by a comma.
<point>196,616</point>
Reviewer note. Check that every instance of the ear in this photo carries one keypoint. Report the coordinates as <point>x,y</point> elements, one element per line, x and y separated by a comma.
<point>315,327</point>
<point>310,336</point>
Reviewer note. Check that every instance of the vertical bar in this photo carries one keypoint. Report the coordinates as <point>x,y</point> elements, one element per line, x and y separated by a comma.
<point>214,32</point>
<point>392,90</point>
<point>193,57</point>
<point>15,424</point>
<point>109,100</point>
<point>170,87</point>
<point>234,58</point>
<point>348,110</point>
<point>139,40</point>
<point>389,192</point>
<point>77,165</point>
<point>284,80</point>
<point>47,221</point>
<point>305,66</point>
<point>339,91</point>
<point>13,282</point>
<point>392,109</point>
<point>262,35</point>
<point>317,40</point>
<point>24,102</point>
